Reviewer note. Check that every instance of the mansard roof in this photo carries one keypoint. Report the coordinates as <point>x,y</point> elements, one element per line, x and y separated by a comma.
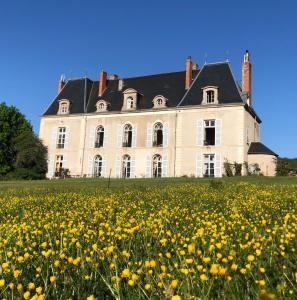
<point>83,92</point>
<point>259,148</point>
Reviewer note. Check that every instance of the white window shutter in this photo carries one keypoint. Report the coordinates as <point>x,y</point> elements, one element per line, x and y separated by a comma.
<point>148,166</point>
<point>105,141</point>
<point>118,166</point>
<point>199,133</point>
<point>90,166</point>
<point>92,133</point>
<point>132,167</point>
<point>51,166</point>
<point>64,162</point>
<point>103,171</point>
<point>164,165</point>
<point>218,166</point>
<point>165,134</point>
<point>134,135</point>
<point>218,132</point>
<point>149,135</point>
<point>119,136</point>
<point>199,164</point>
<point>54,137</point>
<point>67,134</point>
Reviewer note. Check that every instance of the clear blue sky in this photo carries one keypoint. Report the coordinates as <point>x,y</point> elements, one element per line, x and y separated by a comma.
<point>40,40</point>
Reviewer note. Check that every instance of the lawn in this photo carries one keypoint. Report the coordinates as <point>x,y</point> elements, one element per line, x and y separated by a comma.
<point>185,238</point>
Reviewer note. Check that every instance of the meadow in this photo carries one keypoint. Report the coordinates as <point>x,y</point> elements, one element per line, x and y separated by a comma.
<point>149,239</point>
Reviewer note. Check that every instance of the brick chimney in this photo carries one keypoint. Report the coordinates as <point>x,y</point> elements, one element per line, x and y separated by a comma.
<point>188,72</point>
<point>102,83</point>
<point>247,77</point>
<point>61,83</point>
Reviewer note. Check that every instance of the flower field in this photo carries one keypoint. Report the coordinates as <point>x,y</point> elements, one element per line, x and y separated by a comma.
<point>182,241</point>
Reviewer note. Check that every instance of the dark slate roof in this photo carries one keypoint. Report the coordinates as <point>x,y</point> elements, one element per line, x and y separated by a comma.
<point>76,91</point>
<point>169,85</point>
<point>218,74</point>
<point>259,148</point>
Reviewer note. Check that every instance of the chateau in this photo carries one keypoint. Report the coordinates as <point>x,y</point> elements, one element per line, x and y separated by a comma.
<point>162,125</point>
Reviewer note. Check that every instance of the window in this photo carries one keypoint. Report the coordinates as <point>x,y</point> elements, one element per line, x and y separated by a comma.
<point>97,169</point>
<point>127,138</point>
<point>157,166</point>
<point>159,102</point>
<point>208,165</point>
<point>99,137</point>
<point>158,135</point>
<point>209,132</point>
<point>102,105</point>
<point>126,166</point>
<point>210,96</point>
<point>59,166</point>
<point>130,103</point>
<point>63,107</point>
<point>61,137</point>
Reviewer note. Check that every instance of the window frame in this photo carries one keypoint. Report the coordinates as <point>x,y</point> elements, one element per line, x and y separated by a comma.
<point>99,136</point>
<point>157,166</point>
<point>205,92</point>
<point>127,139</point>
<point>64,107</point>
<point>61,137</point>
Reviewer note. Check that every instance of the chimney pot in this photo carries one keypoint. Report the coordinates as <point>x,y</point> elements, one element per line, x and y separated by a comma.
<point>61,84</point>
<point>102,82</point>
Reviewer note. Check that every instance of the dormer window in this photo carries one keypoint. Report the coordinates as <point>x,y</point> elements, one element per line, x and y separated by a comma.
<point>64,107</point>
<point>159,102</point>
<point>101,105</point>
<point>210,95</point>
<point>130,99</point>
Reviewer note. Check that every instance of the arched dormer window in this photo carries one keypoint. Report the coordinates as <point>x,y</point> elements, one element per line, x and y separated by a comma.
<point>210,95</point>
<point>64,106</point>
<point>102,105</point>
<point>130,99</point>
<point>159,102</point>
<point>99,140</point>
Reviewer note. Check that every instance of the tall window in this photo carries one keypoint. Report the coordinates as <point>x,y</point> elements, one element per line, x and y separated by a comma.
<point>126,166</point>
<point>158,135</point>
<point>209,132</point>
<point>130,102</point>
<point>63,107</point>
<point>99,137</point>
<point>208,165</point>
<point>61,137</point>
<point>210,96</point>
<point>157,165</point>
<point>127,138</point>
<point>97,169</point>
<point>58,165</point>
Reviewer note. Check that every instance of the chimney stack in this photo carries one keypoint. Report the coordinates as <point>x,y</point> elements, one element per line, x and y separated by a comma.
<point>102,83</point>
<point>247,77</point>
<point>188,72</point>
<point>61,83</point>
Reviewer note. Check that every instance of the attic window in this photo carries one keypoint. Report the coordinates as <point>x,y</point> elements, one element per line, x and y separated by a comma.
<point>63,107</point>
<point>130,99</point>
<point>210,95</point>
<point>159,102</point>
<point>101,105</point>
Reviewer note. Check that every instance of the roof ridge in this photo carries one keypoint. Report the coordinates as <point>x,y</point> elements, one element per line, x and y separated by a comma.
<point>162,73</point>
<point>216,63</point>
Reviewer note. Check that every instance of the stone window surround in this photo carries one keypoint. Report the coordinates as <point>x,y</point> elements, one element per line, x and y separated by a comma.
<point>156,104</point>
<point>62,104</point>
<point>104,107</point>
<point>130,94</point>
<point>206,89</point>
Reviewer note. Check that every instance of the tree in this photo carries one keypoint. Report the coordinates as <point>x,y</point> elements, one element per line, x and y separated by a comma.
<point>12,124</point>
<point>30,156</point>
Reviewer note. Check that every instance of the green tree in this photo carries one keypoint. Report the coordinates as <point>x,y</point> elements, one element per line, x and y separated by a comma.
<point>30,156</point>
<point>12,124</point>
